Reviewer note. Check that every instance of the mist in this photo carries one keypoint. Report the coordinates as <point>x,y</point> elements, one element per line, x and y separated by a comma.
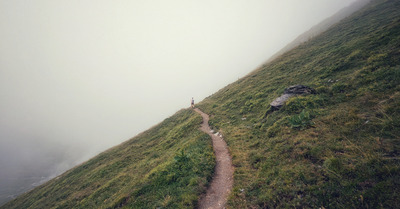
<point>78,77</point>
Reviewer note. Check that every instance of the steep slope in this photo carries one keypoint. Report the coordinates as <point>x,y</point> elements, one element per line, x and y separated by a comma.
<point>222,181</point>
<point>321,27</point>
<point>169,165</point>
<point>336,149</point>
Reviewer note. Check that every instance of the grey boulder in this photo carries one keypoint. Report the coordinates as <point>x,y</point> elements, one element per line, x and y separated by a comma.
<point>290,92</point>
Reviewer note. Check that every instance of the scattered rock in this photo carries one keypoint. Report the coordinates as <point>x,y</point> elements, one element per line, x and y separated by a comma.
<point>290,92</point>
<point>280,101</point>
<point>299,89</point>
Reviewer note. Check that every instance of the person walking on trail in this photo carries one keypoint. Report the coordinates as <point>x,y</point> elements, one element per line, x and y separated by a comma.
<point>192,103</point>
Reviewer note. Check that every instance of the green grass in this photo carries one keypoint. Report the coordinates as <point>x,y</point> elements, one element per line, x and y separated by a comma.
<point>301,121</point>
<point>168,166</point>
<point>336,149</point>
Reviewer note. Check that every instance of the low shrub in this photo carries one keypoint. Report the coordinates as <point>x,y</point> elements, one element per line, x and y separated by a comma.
<point>301,121</point>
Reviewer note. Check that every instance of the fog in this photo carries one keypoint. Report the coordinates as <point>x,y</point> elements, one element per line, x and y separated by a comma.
<point>79,76</point>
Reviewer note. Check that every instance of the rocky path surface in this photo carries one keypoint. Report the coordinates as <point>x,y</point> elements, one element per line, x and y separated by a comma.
<point>221,184</point>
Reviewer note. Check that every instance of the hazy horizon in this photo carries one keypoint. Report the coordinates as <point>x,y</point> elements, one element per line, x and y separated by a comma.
<point>78,77</point>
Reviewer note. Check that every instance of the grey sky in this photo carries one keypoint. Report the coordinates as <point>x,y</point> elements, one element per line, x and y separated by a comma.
<point>78,76</point>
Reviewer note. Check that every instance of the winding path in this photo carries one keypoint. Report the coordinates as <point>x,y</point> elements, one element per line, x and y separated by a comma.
<point>221,184</point>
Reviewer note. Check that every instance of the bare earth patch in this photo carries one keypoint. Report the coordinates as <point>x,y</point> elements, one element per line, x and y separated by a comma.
<point>221,184</point>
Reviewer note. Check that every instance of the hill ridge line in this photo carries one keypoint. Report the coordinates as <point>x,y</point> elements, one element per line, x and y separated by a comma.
<point>222,181</point>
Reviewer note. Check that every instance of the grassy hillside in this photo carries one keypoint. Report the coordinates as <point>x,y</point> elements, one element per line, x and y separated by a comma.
<point>167,166</point>
<point>321,27</point>
<point>338,148</point>
<point>346,153</point>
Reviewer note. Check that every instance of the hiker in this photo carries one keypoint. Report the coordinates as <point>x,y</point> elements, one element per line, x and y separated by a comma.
<point>192,104</point>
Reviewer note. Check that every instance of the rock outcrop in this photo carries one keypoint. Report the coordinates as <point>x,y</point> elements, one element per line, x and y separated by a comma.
<point>290,92</point>
<point>280,101</point>
<point>299,89</point>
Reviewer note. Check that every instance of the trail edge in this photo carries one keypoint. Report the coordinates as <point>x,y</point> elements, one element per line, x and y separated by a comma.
<point>221,184</point>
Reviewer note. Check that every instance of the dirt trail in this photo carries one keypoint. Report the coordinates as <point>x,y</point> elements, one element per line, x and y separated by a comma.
<point>221,184</point>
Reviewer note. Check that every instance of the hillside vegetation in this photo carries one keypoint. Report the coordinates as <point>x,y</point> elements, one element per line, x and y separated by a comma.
<point>336,149</point>
<point>321,27</point>
<point>169,166</point>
